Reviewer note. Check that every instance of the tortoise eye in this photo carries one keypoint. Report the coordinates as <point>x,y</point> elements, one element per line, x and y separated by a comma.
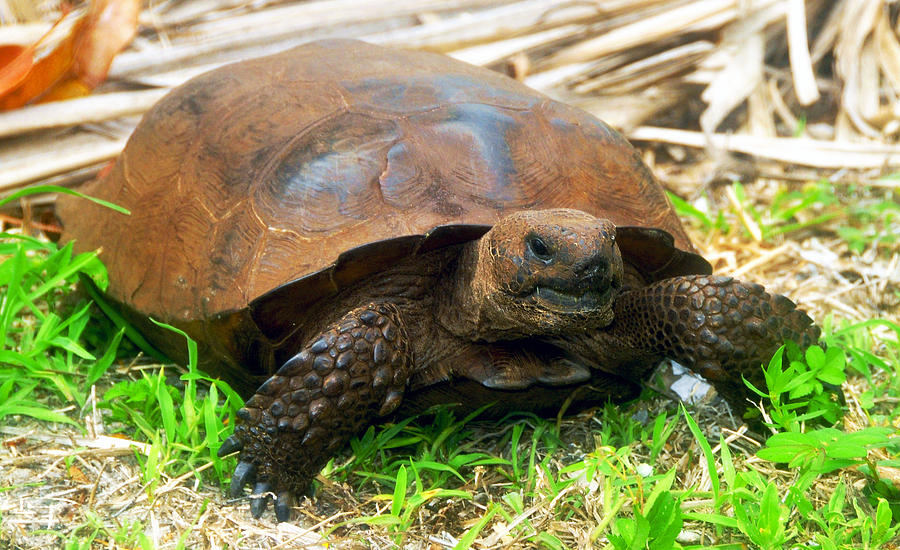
<point>539,248</point>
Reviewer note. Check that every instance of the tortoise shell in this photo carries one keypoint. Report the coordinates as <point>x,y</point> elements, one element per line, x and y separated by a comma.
<point>254,179</point>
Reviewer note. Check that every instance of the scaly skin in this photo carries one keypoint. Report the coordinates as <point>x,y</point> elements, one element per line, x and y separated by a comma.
<point>722,328</point>
<point>351,373</point>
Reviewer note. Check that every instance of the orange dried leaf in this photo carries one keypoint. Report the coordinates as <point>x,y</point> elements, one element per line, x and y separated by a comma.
<point>14,442</point>
<point>20,70</point>
<point>45,73</point>
<point>15,62</point>
<point>65,89</point>
<point>76,475</point>
<point>78,64</point>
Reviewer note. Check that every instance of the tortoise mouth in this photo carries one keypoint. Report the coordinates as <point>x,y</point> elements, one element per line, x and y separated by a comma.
<point>567,300</point>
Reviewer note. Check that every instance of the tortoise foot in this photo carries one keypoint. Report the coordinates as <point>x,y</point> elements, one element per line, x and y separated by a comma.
<point>722,328</point>
<point>348,375</point>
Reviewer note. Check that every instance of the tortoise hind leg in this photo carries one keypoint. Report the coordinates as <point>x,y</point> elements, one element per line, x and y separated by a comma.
<point>519,365</point>
<point>723,328</point>
<point>354,371</point>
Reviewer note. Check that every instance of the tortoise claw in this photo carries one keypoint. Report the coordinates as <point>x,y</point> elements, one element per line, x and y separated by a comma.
<point>283,504</point>
<point>259,499</point>
<point>230,445</point>
<point>243,474</point>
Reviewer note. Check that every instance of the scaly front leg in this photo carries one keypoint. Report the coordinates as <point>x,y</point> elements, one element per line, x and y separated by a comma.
<point>352,372</point>
<point>722,328</point>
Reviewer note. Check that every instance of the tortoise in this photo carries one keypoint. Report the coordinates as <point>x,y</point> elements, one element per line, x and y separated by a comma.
<point>346,228</point>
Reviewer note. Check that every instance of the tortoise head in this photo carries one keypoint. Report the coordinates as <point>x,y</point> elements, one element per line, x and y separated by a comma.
<point>545,271</point>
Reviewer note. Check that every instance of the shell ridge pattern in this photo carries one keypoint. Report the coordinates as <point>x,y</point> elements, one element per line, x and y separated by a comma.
<point>397,181</point>
<point>534,159</point>
<point>342,93</point>
<point>251,269</point>
<point>125,163</point>
<point>404,164</point>
<point>483,174</point>
<point>134,192</point>
<point>325,183</point>
<point>195,218</point>
<point>277,156</point>
<point>299,194</point>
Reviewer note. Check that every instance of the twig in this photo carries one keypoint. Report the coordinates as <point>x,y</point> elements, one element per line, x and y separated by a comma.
<point>803,151</point>
<point>35,167</point>
<point>798,51</point>
<point>93,108</point>
<point>693,15</point>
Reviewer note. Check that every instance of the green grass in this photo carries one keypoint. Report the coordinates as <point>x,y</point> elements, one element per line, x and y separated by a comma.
<point>43,356</point>
<point>869,216</point>
<point>56,347</point>
<point>608,479</point>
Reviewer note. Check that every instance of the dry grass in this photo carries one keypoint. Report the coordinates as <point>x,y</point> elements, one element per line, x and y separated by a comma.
<point>774,93</point>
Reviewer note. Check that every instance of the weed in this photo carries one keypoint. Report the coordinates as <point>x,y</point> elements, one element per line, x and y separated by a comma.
<point>798,393</point>
<point>657,530</point>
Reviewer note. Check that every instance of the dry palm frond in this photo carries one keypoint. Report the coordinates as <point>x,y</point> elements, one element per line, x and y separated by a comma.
<point>714,65</point>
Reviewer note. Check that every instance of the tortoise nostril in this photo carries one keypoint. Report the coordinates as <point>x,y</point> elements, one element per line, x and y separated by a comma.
<point>597,266</point>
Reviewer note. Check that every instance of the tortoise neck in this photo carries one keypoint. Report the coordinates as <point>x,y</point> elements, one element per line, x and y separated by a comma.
<point>466,301</point>
<point>457,300</point>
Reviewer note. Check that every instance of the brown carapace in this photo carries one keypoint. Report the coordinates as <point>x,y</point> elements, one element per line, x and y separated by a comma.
<point>347,230</point>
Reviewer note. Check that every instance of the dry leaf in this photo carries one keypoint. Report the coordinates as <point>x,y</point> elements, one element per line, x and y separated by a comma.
<point>14,442</point>
<point>851,56</point>
<point>888,51</point>
<point>76,475</point>
<point>798,49</point>
<point>78,64</point>
<point>15,63</point>
<point>43,75</point>
<point>18,70</point>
